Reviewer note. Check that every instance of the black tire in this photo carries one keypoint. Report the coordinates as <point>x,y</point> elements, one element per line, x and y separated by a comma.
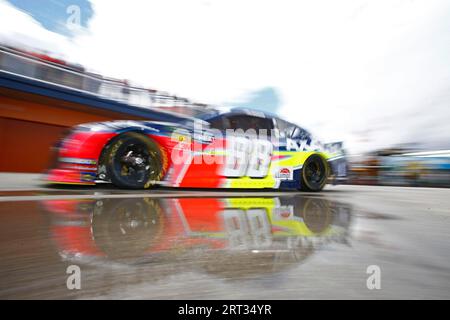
<point>134,161</point>
<point>314,173</point>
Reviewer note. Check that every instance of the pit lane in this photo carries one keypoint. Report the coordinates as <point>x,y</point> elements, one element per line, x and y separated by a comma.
<point>172,248</point>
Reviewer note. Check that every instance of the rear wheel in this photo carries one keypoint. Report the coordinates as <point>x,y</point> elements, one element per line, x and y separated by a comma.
<point>314,173</point>
<point>134,161</point>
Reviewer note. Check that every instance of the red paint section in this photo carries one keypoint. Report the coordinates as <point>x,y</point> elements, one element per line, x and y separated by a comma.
<point>85,145</point>
<point>205,169</point>
<point>203,215</point>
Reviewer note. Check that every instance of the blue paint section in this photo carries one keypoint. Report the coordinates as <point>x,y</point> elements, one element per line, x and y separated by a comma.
<point>292,184</point>
<point>53,14</point>
<point>88,176</point>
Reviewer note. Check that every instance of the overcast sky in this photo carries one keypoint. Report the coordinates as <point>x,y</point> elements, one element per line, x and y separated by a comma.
<point>371,73</point>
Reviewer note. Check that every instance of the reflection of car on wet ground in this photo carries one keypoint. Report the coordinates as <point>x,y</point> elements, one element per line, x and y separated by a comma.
<point>220,235</point>
<point>201,153</point>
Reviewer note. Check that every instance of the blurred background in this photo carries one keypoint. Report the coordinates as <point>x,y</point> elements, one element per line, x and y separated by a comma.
<point>373,74</point>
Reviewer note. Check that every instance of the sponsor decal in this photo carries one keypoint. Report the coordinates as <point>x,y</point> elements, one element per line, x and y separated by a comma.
<point>285,173</point>
<point>302,145</point>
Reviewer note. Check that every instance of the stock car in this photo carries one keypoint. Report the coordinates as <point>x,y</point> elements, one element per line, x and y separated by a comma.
<point>237,148</point>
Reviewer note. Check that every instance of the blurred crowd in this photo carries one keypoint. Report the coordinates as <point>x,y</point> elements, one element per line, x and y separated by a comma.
<point>400,167</point>
<point>46,67</point>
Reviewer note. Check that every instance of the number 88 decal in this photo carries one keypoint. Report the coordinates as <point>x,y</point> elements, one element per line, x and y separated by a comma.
<point>247,157</point>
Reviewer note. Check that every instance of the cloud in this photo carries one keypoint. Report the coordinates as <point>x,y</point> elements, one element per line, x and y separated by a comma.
<point>372,73</point>
<point>18,28</point>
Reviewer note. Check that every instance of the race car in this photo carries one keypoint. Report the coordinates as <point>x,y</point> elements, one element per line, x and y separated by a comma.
<point>237,148</point>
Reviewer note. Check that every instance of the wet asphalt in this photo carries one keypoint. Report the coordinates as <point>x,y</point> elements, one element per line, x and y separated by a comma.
<point>201,244</point>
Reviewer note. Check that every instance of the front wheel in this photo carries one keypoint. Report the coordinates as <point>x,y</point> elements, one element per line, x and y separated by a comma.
<point>134,161</point>
<point>314,173</point>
